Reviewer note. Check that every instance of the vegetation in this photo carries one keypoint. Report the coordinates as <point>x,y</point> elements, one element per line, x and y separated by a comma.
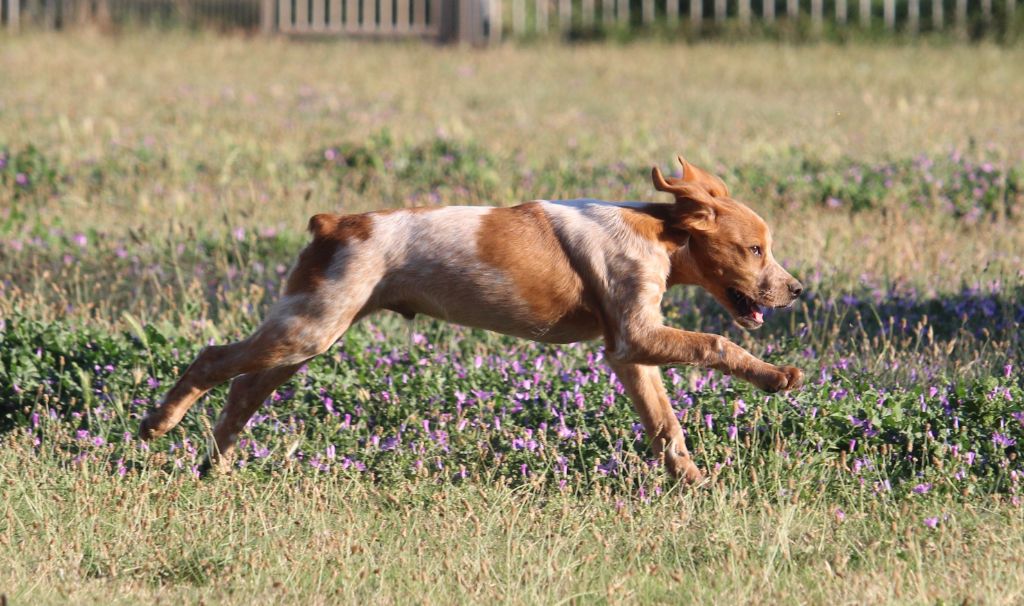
<point>153,192</point>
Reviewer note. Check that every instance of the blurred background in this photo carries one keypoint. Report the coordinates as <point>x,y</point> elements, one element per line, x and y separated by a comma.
<point>492,21</point>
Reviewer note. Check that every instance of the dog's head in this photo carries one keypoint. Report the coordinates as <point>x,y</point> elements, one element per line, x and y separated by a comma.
<point>730,245</point>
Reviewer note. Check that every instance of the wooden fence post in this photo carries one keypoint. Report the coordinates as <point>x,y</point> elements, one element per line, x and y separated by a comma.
<point>793,8</point>
<point>352,14</point>
<point>913,16</point>
<point>889,6</point>
<point>13,15</point>
<point>319,14</point>
<point>49,16</point>
<point>841,12</point>
<point>768,10</point>
<point>471,26</point>
<point>419,16</point>
<point>284,15</point>
<point>865,13</point>
<point>672,12</point>
<point>103,13</point>
<point>267,16</point>
<point>495,25</point>
<point>937,14</point>
<point>720,11</point>
<point>435,17</point>
<point>335,17</point>
<point>403,22</point>
<point>696,13</point>
<point>817,16</point>
<point>448,20</point>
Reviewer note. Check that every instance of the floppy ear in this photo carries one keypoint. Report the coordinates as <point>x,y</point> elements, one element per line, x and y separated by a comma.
<point>695,208</point>
<point>697,217</point>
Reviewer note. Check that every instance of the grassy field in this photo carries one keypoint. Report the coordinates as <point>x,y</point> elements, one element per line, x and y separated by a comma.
<point>155,189</point>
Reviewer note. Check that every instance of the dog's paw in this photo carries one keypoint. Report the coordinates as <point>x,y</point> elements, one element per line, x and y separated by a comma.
<point>794,377</point>
<point>780,378</point>
<point>151,428</point>
<point>683,468</point>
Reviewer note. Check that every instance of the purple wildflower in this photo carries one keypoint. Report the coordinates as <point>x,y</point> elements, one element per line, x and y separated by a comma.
<point>1002,440</point>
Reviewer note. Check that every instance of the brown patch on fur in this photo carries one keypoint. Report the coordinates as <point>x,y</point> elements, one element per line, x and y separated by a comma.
<point>330,232</point>
<point>521,242</point>
<point>657,223</point>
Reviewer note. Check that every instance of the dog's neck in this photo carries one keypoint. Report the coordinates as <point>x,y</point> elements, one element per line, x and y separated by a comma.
<point>654,222</point>
<point>683,267</point>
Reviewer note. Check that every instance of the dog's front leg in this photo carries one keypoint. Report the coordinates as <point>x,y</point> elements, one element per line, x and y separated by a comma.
<point>645,388</point>
<point>662,345</point>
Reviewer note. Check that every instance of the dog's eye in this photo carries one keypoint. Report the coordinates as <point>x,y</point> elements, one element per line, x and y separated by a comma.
<point>756,250</point>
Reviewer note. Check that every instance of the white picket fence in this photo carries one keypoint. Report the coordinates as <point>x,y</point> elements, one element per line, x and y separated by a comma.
<point>489,21</point>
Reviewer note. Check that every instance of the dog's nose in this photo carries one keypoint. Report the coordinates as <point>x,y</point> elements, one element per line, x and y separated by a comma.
<point>796,288</point>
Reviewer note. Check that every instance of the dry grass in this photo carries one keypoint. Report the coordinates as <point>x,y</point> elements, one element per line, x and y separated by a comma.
<point>78,537</point>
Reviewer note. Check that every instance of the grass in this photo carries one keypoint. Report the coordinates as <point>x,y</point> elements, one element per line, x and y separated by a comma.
<point>287,538</point>
<point>153,192</point>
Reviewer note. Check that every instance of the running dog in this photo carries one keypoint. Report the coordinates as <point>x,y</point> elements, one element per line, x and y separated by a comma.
<point>551,271</point>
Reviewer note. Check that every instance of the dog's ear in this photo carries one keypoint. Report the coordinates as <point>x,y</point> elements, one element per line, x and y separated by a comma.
<point>695,208</point>
<point>691,174</point>
<point>697,217</point>
<point>698,176</point>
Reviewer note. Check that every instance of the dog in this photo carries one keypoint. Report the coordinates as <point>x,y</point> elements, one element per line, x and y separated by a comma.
<point>551,271</point>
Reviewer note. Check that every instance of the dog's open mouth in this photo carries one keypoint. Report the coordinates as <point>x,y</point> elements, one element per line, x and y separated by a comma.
<point>748,313</point>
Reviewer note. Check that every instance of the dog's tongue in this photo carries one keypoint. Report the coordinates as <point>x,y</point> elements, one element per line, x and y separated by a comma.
<point>758,315</point>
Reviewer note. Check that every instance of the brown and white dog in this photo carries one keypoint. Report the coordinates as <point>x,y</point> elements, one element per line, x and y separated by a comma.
<point>551,271</point>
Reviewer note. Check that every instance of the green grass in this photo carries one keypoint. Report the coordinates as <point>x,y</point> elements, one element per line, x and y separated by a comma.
<point>288,538</point>
<point>154,190</point>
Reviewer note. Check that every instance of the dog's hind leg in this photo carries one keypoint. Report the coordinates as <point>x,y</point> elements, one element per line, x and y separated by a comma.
<point>247,393</point>
<point>300,326</point>
<point>645,388</point>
